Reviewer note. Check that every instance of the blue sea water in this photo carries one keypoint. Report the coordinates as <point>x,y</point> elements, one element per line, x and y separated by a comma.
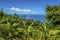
<point>40,18</point>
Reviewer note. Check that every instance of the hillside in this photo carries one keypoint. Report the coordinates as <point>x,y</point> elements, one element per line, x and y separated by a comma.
<point>15,28</point>
<point>12,27</point>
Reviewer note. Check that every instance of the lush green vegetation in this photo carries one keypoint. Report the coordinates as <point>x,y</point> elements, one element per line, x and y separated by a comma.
<point>15,28</point>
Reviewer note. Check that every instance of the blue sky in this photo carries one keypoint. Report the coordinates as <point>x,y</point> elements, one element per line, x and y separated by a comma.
<point>26,6</point>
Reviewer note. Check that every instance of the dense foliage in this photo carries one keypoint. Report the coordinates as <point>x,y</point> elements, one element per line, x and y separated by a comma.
<point>15,28</point>
<point>53,14</point>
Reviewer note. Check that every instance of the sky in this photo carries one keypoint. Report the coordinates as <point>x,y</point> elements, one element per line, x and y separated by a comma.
<point>37,7</point>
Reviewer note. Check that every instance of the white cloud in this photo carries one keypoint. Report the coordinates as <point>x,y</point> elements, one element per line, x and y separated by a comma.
<point>21,10</point>
<point>16,9</point>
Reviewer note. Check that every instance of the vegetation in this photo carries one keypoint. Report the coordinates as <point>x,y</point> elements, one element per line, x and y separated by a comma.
<point>53,14</point>
<point>15,28</point>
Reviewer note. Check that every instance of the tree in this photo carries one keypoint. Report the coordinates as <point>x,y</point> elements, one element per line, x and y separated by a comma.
<point>1,14</point>
<point>16,15</point>
<point>53,14</point>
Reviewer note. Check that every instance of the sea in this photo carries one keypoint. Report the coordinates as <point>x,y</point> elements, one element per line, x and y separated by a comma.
<point>40,18</point>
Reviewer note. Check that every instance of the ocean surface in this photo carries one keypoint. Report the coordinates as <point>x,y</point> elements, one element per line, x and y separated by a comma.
<point>40,18</point>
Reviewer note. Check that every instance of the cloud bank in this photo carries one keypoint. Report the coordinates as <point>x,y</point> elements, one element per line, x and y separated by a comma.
<point>21,10</point>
